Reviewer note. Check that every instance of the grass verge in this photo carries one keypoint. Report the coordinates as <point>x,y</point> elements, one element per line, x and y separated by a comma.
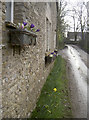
<point>54,103</point>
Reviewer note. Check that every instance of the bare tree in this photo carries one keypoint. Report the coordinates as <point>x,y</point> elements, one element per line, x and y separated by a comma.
<point>61,24</point>
<point>78,15</point>
<point>81,18</point>
<point>81,24</point>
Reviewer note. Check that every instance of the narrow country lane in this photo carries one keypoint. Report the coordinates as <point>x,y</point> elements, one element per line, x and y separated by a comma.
<point>77,69</point>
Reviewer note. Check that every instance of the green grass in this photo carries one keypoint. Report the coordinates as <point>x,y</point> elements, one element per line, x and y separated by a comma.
<point>53,104</point>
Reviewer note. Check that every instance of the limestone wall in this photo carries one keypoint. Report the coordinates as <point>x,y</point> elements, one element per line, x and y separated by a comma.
<point>0,60</point>
<point>24,72</point>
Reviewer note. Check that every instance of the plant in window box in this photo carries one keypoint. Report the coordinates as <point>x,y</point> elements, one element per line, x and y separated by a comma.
<point>50,57</point>
<point>53,55</point>
<point>55,51</point>
<point>24,34</point>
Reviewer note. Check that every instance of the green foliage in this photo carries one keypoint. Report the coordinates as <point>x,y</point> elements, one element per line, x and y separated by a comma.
<point>60,41</point>
<point>54,100</point>
<point>61,24</point>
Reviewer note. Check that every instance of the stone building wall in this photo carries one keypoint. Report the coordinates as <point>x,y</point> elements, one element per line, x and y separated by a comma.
<point>24,73</point>
<point>0,60</point>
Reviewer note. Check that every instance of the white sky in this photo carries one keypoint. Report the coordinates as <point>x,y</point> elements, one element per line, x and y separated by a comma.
<point>75,1</point>
<point>72,3</point>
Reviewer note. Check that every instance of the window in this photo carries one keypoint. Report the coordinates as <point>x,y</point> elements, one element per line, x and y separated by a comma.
<point>47,46</point>
<point>48,35</point>
<point>54,40</point>
<point>10,11</point>
<point>49,4</point>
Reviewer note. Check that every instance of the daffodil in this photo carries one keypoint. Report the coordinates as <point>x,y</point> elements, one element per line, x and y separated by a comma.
<point>55,89</point>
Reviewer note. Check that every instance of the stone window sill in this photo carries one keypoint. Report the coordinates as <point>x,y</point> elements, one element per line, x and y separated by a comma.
<point>10,25</point>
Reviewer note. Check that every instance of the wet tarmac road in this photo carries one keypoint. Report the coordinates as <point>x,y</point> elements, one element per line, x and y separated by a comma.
<point>77,70</point>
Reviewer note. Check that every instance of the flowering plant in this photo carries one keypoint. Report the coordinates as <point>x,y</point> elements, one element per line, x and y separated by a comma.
<point>55,89</point>
<point>27,27</point>
<point>52,54</point>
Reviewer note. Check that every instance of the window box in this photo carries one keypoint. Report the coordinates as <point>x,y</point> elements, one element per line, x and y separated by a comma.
<point>50,56</point>
<point>22,37</point>
<point>48,60</point>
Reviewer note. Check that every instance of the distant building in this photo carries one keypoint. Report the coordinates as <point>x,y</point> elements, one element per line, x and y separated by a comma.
<point>71,36</point>
<point>82,40</point>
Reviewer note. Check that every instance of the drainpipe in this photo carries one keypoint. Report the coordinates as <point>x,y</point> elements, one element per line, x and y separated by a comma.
<point>12,10</point>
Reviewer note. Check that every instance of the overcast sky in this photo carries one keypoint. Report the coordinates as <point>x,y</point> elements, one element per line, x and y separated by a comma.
<point>75,1</point>
<point>70,5</point>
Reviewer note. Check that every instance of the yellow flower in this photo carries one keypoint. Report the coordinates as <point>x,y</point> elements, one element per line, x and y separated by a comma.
<point>55,89</point>
<point>50,55</point>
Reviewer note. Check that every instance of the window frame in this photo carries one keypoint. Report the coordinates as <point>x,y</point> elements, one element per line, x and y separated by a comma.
<point>11,17</point>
